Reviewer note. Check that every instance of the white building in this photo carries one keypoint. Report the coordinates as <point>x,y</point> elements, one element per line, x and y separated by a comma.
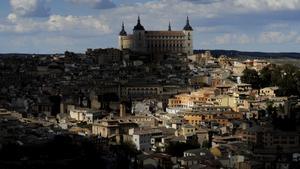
<point>146,139</point>
<point>84,115</point>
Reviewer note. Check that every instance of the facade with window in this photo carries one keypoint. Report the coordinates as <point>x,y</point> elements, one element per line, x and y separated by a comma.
<point>158,42</point>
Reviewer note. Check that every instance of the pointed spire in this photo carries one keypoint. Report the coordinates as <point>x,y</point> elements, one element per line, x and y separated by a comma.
<point>139,26</point>
<point>139,20</point>
<point>188,27</point>
<point>123,32</point>
<point>187,20</point>
<point>170,29</point>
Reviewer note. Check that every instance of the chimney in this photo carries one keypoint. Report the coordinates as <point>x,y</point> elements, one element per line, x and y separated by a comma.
<point>122,110</point>
<point>238,79</point>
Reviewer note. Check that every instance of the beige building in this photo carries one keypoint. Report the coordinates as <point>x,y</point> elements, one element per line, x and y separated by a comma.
<point>84,114</point>
<point>202,58</point>
<point>259,64</point>
<point>187,130</point>
<point>157,42</point>
<point>187,101</point>
<point>238,68</point>
<point>197,118</point>
<point>235,103</point>
<point>268,91</point>
<point>112,128</point>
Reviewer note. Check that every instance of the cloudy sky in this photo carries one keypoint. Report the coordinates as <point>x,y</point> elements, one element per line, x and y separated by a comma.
<point>53,26</point>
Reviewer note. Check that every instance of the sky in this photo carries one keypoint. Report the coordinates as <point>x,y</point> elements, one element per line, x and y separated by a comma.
<point>54,26</point>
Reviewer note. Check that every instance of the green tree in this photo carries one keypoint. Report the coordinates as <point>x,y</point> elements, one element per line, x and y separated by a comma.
<point>266,77</point>
<point>251,76</point>
<point>286,77</point>
<point>297,76</point>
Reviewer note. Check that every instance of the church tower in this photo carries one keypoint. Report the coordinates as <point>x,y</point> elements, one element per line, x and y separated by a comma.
<point>188,31</point>
<point>122,36</point>
<point>139,37</point>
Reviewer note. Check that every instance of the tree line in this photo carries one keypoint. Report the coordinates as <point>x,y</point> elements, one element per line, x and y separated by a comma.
<point>286,77</point>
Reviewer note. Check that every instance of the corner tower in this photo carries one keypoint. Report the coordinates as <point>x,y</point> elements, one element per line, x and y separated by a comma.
<point>139,37</point>
<point>188,31</point>
<point>122,36</point>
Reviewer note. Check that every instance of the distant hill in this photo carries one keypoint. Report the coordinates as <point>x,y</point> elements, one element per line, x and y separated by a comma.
<point>241,54</point>
<point>21,55</point>
<point>216,53</point>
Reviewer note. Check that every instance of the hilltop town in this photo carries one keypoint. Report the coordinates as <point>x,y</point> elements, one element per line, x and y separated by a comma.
<point>137,109</point>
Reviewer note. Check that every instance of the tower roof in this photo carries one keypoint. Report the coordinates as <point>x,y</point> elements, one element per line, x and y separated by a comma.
<point>188,27</point>
<point>170,29</point>
<point>123,32</point>
<point>139,26</point>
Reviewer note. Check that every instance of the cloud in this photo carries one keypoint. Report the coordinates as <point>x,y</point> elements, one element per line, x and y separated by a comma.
<point>77,25</point>
<point>206,29</point>
<point>273,26</point>
<point>278,37</point>
<point>298,39</point>
<point>229,38</point>
<point>97,4</point>
<point>271,37</point>
<point>17,24</point>
<point>204,1</point>
<point>29,8</point>
<point>268,4</point>
<point>81,23</point>
<point>252,5</point>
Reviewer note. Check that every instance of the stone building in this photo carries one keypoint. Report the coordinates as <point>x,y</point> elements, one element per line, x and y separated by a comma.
<point>105,56</point>
<point>158,42</point>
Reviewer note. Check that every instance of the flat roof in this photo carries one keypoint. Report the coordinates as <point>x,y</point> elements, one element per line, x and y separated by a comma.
<point>165,33</point>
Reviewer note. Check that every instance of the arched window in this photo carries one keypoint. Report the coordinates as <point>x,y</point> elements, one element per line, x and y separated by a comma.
<point>189,36</point>
<point>140,36</point>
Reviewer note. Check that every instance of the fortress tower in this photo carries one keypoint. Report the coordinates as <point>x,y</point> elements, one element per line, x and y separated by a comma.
<point>188,32</point>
